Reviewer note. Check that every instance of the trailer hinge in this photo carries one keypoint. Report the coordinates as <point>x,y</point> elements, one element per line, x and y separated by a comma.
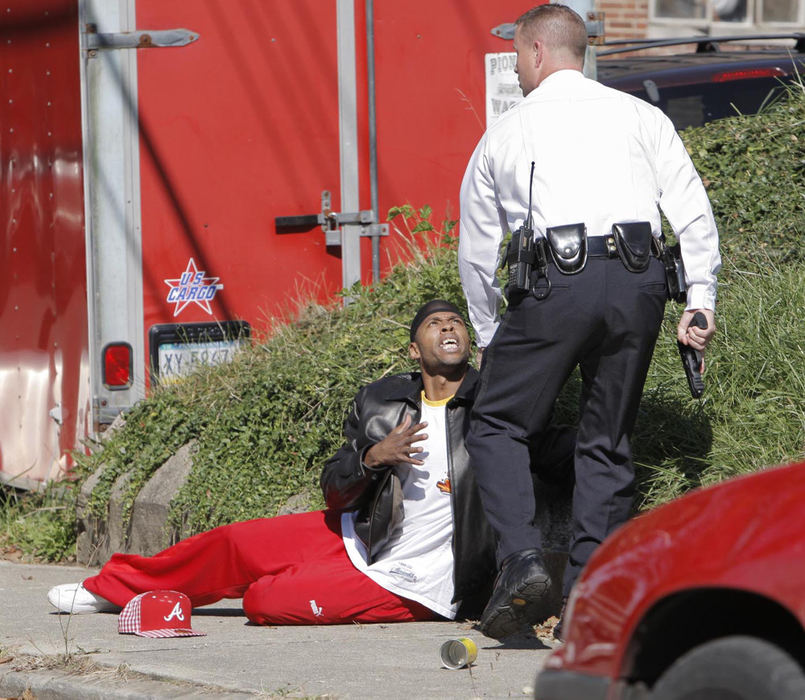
<point>140,39</point>
<point>331,221</point>
<point>594,24</point>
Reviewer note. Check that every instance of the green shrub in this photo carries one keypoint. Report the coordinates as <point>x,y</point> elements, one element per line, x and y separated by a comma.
<point>753,168</point>
<point>265,423</point>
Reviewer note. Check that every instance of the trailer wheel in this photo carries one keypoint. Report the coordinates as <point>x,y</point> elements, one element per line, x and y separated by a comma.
<point>733,668</point>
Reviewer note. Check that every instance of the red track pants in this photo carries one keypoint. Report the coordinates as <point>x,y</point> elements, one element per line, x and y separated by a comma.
<point>289,570</point>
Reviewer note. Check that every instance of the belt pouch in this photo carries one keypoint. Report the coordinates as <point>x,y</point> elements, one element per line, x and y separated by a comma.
<point>633,243</point>
<point>568,246</point>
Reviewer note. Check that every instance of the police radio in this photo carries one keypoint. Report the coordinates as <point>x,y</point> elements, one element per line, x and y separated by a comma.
<point>520,255</point>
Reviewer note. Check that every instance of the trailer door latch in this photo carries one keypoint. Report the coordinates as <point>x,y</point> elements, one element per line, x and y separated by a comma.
<point>331,222</point>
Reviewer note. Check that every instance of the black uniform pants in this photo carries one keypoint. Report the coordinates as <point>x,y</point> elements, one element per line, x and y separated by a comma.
<point>604,319</point>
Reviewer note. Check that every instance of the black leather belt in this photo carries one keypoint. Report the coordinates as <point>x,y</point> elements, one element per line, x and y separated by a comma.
<point>604,247</point>
<point>597,247</point>
<point>601,247</point>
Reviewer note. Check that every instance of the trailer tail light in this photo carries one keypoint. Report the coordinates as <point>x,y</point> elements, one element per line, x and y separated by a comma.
<point>117,366</point>
<point>749,74</point>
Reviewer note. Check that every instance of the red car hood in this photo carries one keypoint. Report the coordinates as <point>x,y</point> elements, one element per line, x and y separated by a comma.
<point>747,534</point>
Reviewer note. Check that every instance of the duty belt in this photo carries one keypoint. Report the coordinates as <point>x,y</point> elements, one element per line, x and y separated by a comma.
<point>598,247</point>
<point>604,247</point>
<point>601,247</point>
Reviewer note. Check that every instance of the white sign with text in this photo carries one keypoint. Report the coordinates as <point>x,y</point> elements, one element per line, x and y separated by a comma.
<point>502,89</point>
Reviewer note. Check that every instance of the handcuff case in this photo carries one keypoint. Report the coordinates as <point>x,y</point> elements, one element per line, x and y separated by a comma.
<point>568,245</point>
<point>633,242</point>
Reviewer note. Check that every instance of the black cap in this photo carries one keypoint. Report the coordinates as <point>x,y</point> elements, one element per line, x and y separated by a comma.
<point>431,308</point>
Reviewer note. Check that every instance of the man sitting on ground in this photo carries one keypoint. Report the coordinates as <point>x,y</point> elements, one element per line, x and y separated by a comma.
<point>403,537</point>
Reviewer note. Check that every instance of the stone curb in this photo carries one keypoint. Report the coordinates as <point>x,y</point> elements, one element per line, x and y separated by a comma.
<point>100,685</point>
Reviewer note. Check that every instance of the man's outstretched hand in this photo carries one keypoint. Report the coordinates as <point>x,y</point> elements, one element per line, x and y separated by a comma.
<point>398,446</point>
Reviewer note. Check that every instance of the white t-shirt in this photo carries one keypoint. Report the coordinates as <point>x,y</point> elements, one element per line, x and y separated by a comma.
<point>417,561</point>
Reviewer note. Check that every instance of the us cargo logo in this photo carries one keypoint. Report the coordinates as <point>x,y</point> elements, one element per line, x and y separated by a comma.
<point>193,287</point>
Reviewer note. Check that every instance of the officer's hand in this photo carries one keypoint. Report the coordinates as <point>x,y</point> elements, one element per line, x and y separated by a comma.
<point>696,337</point>
<point>398,446</point>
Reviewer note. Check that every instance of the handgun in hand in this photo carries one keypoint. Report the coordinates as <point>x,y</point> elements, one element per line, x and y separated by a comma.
<point>692,359</point>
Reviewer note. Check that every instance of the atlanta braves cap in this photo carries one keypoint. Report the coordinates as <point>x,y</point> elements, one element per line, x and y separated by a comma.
<point>157,614</point>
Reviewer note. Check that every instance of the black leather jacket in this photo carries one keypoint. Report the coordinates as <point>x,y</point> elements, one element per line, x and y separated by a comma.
<point>348,484</point>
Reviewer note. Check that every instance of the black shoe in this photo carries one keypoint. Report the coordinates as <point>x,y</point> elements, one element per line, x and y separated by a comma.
<point>557,630</point>
<point>518,597</point>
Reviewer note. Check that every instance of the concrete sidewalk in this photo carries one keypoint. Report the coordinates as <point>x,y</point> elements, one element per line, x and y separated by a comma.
<point>237,659</point>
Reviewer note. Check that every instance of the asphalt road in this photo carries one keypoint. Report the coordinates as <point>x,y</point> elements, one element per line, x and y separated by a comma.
<point>83,656</point>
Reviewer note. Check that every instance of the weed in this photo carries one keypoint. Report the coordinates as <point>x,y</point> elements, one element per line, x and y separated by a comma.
<point>40,524</point>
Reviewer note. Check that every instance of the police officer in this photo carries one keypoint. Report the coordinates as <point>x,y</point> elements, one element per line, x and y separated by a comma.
<point>601,159</point>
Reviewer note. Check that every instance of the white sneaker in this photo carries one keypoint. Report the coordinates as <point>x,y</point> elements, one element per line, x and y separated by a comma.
<point>74,598</point>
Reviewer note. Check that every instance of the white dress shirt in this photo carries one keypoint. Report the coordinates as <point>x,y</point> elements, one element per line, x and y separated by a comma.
<point>601,157</point>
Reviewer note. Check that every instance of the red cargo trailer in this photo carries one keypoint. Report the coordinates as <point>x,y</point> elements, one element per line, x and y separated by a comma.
<point>153,153</point>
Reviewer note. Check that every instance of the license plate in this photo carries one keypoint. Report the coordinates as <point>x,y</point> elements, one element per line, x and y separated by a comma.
<point>180,359</point>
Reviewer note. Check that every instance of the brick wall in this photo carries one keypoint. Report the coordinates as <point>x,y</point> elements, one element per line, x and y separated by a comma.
<point>624,19</point>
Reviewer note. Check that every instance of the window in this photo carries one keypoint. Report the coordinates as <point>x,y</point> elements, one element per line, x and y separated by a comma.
<point>781,11</point>
<point>751,13</point>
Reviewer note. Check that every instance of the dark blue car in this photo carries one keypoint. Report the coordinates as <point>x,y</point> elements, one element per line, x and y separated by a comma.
<point>720,77</point>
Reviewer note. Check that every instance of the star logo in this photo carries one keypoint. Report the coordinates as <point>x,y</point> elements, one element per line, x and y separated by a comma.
<point>193,287</point>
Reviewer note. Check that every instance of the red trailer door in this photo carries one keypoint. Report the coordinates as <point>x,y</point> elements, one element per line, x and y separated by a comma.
<point>44,387</point>
<point>235,130</point>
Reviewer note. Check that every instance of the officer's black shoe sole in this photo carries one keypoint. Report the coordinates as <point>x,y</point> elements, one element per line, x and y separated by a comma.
<point>518,599</point>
